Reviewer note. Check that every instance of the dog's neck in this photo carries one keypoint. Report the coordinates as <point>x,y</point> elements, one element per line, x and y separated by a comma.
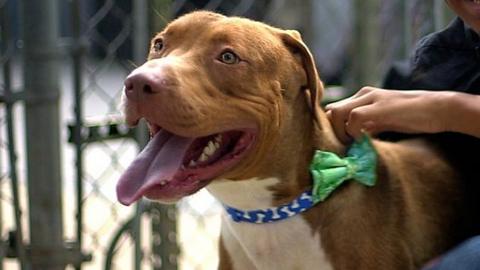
<point>245,194</point>
<point>260,242</point>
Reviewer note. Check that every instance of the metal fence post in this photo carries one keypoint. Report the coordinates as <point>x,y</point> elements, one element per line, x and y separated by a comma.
<point>140,47</point>
<point>41,75</point>
<point>77,57</point>
<point>407,28</point>
<point>365,67</point>
<point>7,51</point>
<point>442,14</point>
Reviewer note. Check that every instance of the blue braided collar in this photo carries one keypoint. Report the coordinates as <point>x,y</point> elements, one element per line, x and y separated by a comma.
<point>301,204</point>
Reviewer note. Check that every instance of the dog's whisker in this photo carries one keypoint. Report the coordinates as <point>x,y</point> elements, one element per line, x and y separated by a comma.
<point>160,15</point>
<point>133,64</point>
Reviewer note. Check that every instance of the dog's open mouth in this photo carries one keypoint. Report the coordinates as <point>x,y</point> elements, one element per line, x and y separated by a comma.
<point>171,167</point>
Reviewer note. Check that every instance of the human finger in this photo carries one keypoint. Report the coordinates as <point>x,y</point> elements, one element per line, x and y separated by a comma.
<point>338,123</point>
<point>360,98</point>
<point>362,120</point>
<point>339,115</point>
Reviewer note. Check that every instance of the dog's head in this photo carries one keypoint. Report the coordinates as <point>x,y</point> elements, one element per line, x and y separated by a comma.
<point>220,95</point>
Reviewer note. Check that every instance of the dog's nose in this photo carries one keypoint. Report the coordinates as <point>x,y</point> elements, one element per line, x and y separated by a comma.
<point>147,80</point>
<point>139,84</point>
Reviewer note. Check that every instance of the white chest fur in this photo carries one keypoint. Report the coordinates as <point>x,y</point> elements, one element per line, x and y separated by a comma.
<point>285,245</point>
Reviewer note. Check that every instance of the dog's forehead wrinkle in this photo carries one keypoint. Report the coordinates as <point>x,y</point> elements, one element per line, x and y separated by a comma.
<point>250,33</point>
<point>257,43</point>
<point>244,30</point>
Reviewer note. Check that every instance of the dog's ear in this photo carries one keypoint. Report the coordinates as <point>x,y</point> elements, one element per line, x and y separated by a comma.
<point>314,87</point>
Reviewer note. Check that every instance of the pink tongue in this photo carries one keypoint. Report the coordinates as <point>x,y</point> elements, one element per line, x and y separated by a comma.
<point>159,161</point>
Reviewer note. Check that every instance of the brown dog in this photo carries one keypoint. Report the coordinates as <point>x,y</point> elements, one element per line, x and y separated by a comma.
<point>233,104</point>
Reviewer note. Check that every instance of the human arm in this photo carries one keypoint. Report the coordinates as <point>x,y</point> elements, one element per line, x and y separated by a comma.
<point>376,110</point>
<point>465,114</point>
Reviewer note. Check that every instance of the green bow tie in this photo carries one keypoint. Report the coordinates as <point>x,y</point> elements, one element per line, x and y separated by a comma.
<point>329,171</point>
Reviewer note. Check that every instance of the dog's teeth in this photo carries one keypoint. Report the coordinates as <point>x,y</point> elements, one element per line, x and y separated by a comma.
<point>215,145</point>
<point>203,157</point>
<point>209,149</point>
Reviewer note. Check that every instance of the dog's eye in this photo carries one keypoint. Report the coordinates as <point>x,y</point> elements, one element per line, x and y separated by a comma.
<point>158,45</point>
<point>228,57</point>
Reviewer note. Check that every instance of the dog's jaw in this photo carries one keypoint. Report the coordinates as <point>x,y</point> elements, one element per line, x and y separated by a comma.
<point>171,167</point>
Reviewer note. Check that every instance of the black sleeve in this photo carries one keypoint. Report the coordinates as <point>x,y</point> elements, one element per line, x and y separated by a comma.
<point>398,76</point>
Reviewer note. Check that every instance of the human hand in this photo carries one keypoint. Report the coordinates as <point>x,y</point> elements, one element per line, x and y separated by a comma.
<point>374,110</point>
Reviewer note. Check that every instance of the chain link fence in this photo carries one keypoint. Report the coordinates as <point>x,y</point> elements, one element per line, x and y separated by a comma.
<point>99,43</point>
<point>12,190</point>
